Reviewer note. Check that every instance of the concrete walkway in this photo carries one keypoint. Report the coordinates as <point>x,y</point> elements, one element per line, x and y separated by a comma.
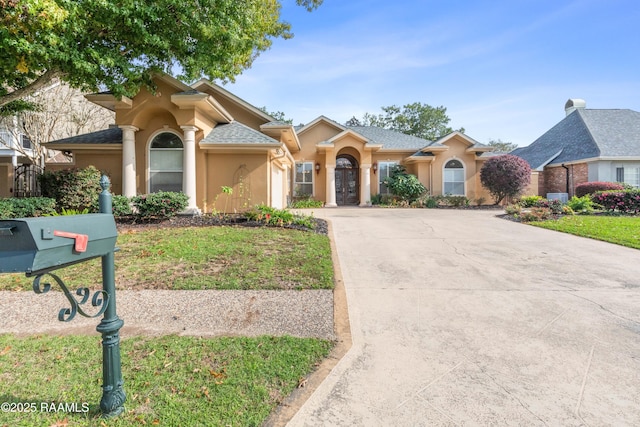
<point>461,318</point>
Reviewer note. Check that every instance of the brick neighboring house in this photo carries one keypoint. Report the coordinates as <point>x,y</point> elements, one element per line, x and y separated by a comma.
<point>587,145</point>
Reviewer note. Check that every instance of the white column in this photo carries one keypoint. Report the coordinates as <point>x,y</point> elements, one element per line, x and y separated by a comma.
<point>330,193</point>
<point>365,185</point>
<point>128,160</point>
<point>189,168</point>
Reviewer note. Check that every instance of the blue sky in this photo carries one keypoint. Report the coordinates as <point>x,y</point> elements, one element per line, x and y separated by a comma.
<point>503,69</point>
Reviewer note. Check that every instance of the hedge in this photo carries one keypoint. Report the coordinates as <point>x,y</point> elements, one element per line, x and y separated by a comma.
<point>587,188</point>
<point>625,201</point>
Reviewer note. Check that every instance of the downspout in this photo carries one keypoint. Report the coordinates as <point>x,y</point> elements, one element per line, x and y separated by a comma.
<point>567,174</point>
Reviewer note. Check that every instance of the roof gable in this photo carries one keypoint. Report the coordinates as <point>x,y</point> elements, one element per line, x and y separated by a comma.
<point>233,102</point>
<point>569,140</point>
<point>321,119</point>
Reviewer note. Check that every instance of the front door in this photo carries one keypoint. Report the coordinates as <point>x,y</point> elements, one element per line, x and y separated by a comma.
<point>347,188</point>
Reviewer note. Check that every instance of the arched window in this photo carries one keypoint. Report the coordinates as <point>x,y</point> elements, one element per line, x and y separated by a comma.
<point>165,163</point>
<point>454,178</point>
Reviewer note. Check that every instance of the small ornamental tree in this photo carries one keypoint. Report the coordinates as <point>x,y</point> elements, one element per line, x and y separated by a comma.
<point>505,176</point>
<point>404,185</point>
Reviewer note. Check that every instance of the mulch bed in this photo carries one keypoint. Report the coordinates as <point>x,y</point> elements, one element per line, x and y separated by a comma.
<point>136,223</point>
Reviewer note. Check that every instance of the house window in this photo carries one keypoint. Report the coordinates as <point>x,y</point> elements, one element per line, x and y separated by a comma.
<point>454,178</point>
<point>165,163</point>
<point>629,176</point>
<point>26,142</point>
<point>384,171</point>
<point>303,185</point>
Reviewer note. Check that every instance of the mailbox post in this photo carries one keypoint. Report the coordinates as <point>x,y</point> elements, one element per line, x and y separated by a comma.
<point>38,246</point>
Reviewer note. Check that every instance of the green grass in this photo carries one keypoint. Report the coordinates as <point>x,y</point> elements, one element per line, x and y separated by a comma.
<point>621,230</point>
<point>208,258</point>
<point>170,381</point>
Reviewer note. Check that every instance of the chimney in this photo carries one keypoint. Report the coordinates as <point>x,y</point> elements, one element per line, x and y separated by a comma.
<point>574,104</point>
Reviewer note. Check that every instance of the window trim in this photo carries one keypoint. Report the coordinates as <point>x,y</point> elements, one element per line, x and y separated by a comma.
<point>464,176</point>
<point>148,151</point>
<point>390,164</point>
<point>296,182</point>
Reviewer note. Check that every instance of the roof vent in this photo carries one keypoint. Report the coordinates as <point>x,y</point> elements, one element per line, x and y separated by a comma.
<point>574,104</point>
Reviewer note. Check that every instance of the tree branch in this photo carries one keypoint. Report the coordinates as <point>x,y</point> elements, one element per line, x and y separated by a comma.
<point>34,86</point>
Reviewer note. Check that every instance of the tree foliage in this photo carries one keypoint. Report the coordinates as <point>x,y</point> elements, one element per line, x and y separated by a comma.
<point>404,185</point>
<point>505,176</point>
<point>417,119</point>
<point>500,146</point>
<point>93,44</point>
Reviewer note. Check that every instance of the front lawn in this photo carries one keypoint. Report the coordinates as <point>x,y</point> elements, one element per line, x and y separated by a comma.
<point>169,381</point>
<point>207,258</point>
<point>621,230</point>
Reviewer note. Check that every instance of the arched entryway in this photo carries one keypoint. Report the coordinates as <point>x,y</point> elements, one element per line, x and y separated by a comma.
<point>347,182</point>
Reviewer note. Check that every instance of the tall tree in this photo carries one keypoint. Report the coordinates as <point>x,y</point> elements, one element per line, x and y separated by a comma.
<point>94,44</point>
<point>417,119</point>
<point>500,146</point>
<point>60,112</point>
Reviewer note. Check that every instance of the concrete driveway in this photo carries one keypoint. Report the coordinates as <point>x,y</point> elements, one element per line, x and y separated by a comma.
<point>462,318</point>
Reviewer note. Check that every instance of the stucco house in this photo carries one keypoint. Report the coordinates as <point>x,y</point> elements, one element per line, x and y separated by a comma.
<point>586,145</point>
<point>200,138</point>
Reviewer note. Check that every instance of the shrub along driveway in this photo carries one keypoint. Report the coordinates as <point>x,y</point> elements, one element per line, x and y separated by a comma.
<point>461,318</point>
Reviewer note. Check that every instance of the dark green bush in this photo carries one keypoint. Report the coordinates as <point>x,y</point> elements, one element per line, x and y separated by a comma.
<point>404,185</point>
<point>26,207</point>
<point>73,189</point>
<point>163,204</point>
<point>121,205</point>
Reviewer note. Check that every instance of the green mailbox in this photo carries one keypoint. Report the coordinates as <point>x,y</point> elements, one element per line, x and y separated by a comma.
<point>37,245</point>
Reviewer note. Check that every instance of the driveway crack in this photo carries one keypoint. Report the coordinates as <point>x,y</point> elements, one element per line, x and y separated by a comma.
<point>603,308</point>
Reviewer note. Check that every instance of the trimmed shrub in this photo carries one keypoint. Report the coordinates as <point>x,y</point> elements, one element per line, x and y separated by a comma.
<point>627,201</point>
<point>505,176</point>
<point>163,204</point>
<point>587,188</point>
<point>121,205</point>
<point>26,207</point>
<point>73,189</point>
<point>404,185</point>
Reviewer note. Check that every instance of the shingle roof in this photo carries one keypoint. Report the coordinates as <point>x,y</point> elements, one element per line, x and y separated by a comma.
<point>236,133</point>
<point>107,136</point>
<point>390,139</point>
<point>584,134</point>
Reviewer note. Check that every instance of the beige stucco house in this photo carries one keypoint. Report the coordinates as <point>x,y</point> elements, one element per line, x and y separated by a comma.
<point>201,138</point>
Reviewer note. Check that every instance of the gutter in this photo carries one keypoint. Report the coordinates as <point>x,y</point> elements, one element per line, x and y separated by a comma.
<point>567,169</point>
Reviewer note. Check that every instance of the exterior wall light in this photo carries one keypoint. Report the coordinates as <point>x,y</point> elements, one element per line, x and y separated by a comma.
<point>317,168</point>
<point>375,167</point>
